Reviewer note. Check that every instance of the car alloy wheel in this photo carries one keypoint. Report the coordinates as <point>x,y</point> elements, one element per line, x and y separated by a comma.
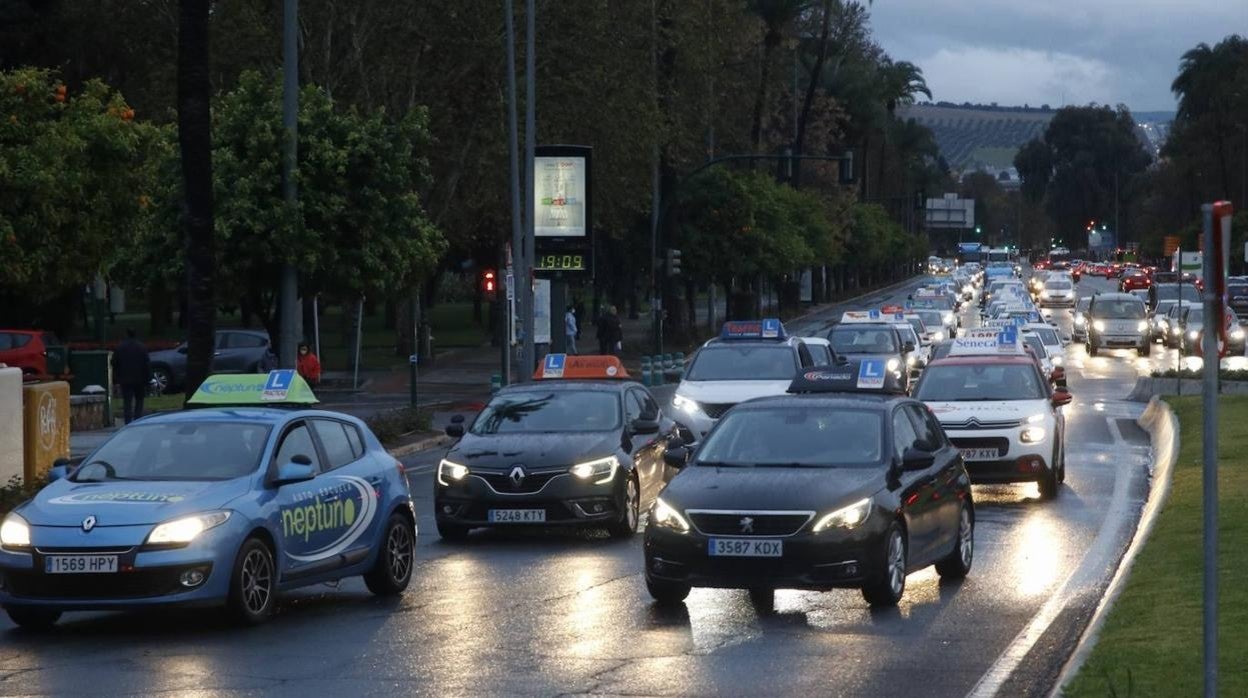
<point>160,380</point>
<point>399,552</point>
<point>896,563</point>
<point>966,538</point>
<point>627,523</point>
<point>257,581</point>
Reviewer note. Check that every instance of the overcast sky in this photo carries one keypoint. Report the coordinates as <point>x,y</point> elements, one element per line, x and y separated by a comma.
<point>1053,51</point>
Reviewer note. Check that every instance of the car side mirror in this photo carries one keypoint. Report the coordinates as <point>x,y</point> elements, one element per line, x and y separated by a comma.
<point>1061,396</point>
<point>299,469</point>
<point>642,425</point>
<point>60,469</point>
<point>908,347</point>
<point>182,349</point>
<point>917,459</point>
<point>455,429</point>
<point>676,456</point>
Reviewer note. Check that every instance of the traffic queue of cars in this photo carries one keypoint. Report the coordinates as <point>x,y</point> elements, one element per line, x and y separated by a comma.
<point>787,462</point>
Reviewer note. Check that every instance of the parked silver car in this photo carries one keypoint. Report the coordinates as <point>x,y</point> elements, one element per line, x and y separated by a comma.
<point>235,351</point>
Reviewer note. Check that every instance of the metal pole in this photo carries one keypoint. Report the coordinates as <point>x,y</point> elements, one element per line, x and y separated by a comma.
<point>316,323</point>
<point>1178,354</point>
<point>513,150</point>
<point>290,124</point>
<point>524,269</point>
<point>1210,474</point>
<point>359,337</point>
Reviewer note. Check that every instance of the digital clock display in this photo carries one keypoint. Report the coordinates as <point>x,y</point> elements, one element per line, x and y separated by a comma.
<point>561,262</point>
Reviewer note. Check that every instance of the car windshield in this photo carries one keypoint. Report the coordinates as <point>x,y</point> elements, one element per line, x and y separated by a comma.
<point>916,324</point>
<point>1186,292</point>
<point>725,362</point>
<point>931,318</point>
<point>908,335</point>
<point>795,436</point>
<point>177,451</point>
<point>1195,316</point>
<point>980,382</point>
<point>1163,307</point>
<point>1048,336</point>
<point>553,411</point>
<point>1120,309</point>
<point>1036,345</point>
<point>1237,290</point>
<point>1083,303</point>
<point>867,339</point>
<point>1058,285</point>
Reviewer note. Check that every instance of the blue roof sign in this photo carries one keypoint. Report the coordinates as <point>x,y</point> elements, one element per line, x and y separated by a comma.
<point>552,367</point>
<point>869,376</point>
<point>768,328</point>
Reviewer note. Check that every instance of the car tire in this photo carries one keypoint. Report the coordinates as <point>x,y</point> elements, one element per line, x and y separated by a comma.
<point>958,563</point>
<point>163,379</point>
<point>1146,350</point>
<point>887,583</point>
<point>253,584</point>
<point>452,532</point>
<point>667,593</point>
<point>626,526</point>
<point>32,618</point>
<point>1049,486</point>
<point>1091,349</point>
<point>392,572</point>
<point>763,599</point>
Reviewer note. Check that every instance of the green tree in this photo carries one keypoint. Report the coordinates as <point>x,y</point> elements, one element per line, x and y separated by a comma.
<point>74,185</point>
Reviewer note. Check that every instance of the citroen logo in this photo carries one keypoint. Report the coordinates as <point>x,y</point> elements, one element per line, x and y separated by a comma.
<point>88,524</point>
<point>747,524</point>
<point>517,475</point>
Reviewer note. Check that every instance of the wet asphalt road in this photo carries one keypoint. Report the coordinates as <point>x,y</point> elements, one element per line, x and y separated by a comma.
<point>562,612</point>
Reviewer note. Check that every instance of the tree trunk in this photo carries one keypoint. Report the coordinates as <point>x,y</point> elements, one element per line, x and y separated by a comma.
<point>815,74</point>
<point>195,144</point>
<point>760,97</point>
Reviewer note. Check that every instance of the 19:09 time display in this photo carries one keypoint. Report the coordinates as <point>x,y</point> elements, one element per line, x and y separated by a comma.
<point>561,262</point>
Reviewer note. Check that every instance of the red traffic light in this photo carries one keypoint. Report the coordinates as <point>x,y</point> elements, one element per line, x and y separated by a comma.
<point>487,281</point>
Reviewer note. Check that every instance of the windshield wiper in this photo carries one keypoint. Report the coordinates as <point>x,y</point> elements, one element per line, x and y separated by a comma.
<point>717,464</point>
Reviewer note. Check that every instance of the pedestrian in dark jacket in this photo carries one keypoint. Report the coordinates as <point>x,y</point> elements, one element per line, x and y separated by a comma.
<point>610,336</point>
<point>131,372</point>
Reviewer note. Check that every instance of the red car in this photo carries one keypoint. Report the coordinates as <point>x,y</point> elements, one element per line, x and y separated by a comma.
<point>27,350</point>
<point>1134,280</point>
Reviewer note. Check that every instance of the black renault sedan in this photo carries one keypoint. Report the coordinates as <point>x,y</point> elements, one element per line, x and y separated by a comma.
<point>582,446</point>
<point>835,486</point>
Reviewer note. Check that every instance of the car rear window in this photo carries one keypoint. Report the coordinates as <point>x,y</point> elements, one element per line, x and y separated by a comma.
<point>19,340</point>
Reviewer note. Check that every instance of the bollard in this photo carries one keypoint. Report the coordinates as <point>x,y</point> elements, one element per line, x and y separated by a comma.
<point>496,383</point>
<point>645,371</point>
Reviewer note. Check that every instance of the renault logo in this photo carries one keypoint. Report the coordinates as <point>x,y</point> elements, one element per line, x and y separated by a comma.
<point>517,475</point>
<point>747,524</point>
<point>88,524</point>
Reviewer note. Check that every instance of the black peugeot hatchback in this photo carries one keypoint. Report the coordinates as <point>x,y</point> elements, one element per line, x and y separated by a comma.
<point>846,482</point>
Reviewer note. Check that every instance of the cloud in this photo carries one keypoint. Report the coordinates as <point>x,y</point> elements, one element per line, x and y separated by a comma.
<point>1016,76</point>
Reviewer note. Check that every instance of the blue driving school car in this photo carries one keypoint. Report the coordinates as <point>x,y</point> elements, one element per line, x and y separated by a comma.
<point>254,493</point>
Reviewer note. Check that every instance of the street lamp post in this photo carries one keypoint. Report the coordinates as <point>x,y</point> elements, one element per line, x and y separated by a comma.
<point>290,153</point>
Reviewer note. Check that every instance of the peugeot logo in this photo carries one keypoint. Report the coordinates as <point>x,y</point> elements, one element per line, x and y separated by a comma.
<point>747,524</point>
<point>88,524</point>
<point>517,475</point>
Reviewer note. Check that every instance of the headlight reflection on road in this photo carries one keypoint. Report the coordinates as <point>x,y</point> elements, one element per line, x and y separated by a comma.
<point>1039,546</point>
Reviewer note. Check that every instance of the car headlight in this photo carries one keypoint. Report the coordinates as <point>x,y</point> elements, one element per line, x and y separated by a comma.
<point>1193,334</point>
<point>1057,361</point>
<point>683,403</point>
<point>1031,435</point>
<point>938,336</point>
<point>1142,326</point>
<point>1237,334</point>
<point>448,472</point>
<point>1079,320</point>
<point>1098,325</point>
<point>665,516</point>
<point>893,364</point>
<point>1163,325</point>
<point>912,360</point>
<point>185,529</point>
<point>14,532</point>
<point>846,517</point>
<point>601,470</point>
<point>1036,418</point>
<point>1177,331</point>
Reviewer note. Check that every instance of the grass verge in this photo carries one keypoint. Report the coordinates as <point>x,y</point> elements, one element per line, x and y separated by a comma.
<point>1151,642</point>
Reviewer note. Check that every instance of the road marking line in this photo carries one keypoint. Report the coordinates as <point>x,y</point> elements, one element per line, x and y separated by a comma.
<point>1081,580</point>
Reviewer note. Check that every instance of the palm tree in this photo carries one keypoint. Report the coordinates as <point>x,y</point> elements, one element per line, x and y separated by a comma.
<point>899,83</point>
<point>776,15</point>
<point>1201,87</point>
<point>195,144</point>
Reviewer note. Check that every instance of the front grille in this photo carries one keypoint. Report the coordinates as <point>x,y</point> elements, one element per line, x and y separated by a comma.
<point>533,481</point>
<point>736,524</point>
<point>142,583</point>
<point>1001,444</point>
<point>717,410</point>
<point>973,424</point>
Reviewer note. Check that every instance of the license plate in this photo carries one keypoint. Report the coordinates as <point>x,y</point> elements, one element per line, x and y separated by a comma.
<point>80,564</point>
<point>517,515</point>
<point>980,453</point>
<point>745,547</point>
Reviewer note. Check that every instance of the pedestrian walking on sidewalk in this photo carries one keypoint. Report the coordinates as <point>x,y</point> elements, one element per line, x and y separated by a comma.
<point>569,328</point>
<point>308,365</point>
<point>131,371</point>
<point>610,336</point>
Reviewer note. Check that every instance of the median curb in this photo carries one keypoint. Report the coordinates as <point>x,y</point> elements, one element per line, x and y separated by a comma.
<point>421,445</point>
<point>1163,428</point>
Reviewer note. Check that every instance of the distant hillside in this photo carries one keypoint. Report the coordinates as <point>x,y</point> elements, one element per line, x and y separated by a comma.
<point>970,136</point>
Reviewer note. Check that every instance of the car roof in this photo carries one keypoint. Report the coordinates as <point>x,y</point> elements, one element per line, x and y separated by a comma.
<point>1115,296</point>
<point>972,359</point>
<point>846,400</point>
<point>265,415</point>
<point>566,384</point>
<point>789,341</point>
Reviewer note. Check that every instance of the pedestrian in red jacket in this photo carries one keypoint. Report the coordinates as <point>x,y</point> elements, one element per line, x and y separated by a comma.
<point>308,365</point>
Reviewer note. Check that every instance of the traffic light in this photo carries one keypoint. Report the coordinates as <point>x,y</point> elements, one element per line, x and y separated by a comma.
<point>978,230</point>
<point>489,284</point>
<point>673,262</point>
